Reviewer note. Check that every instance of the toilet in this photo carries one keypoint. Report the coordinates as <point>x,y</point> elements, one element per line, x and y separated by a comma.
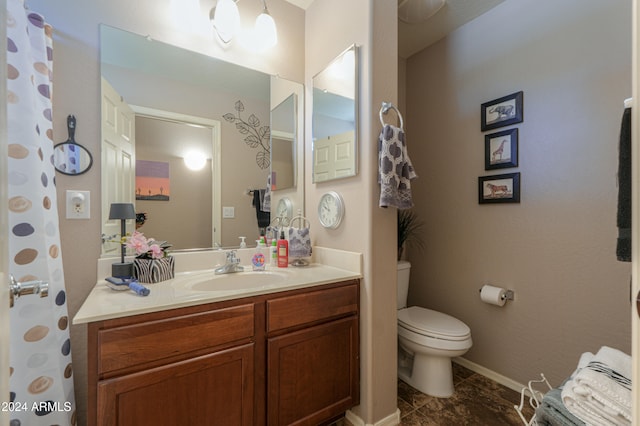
<point>427,341</point>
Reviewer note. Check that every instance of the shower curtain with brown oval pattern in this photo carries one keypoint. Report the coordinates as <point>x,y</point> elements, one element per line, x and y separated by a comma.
<point>41,375</point>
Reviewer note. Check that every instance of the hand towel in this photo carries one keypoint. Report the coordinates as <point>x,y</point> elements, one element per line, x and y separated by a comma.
<point>264,218</point>
<point>266,199</point>
<point>395,169</point>
<point>623,245</point>
<point>600,393</point>
<point>299,242</point>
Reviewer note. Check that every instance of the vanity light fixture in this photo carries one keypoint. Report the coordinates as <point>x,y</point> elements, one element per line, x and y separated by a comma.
<point>225,19</point>
<point>266,31</point>
<point>122,212</point>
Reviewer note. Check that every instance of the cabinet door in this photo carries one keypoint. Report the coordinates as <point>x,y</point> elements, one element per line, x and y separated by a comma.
<point>213,389</point>
<point>313,374</point>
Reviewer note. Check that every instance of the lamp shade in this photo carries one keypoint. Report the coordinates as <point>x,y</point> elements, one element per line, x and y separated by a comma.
<point>225,18</point>
<point>122,211</point>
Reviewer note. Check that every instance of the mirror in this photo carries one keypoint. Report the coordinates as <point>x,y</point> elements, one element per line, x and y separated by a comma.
<point>283,144</point>
<point>334,117</point>
<point>231,105</point>
<point>70,158</point>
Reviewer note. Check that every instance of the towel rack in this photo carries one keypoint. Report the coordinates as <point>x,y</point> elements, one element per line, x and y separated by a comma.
<point>386,106</point>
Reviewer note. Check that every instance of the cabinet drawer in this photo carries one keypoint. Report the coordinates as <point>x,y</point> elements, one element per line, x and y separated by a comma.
<point>306,308</point>
<point>127,346</point>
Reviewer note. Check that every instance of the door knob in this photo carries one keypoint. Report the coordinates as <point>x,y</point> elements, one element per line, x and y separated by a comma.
<point>17,289</point>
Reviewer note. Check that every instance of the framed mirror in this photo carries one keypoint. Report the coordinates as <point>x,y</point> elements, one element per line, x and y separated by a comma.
<point>335,118</point>
<point>230,104</point>
<point>283,144</point>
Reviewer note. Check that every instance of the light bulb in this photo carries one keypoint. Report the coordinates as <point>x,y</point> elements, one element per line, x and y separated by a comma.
<point>225,20</point>
<point>195,160</point>
<point>266,32</point>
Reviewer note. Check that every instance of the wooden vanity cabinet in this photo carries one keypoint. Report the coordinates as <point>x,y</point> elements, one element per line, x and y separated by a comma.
<point>282,358</point>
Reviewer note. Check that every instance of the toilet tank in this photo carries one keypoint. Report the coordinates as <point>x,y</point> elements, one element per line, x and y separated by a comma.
<point>404,268</point>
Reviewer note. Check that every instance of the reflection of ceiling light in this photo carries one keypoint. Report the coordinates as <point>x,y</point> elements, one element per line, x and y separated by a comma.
<point>225,19</point>
<point>416,11</point>
<point>195,160</point>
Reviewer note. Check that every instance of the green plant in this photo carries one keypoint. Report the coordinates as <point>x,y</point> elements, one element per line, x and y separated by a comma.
<point>409,227</point>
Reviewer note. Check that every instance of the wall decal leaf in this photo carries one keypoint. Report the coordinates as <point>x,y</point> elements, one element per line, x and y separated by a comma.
<point>257,137</point>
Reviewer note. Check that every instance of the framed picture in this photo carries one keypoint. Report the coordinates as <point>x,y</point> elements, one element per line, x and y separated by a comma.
<point>502,112</point>
<point>152,180</point>
<point>499,188</point>
<point>501,150</point>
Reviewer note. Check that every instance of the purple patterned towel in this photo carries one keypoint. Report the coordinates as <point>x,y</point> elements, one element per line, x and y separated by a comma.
<point>395,169</point>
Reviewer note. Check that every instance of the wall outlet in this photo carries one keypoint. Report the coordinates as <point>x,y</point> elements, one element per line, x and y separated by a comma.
<point>78,204</point>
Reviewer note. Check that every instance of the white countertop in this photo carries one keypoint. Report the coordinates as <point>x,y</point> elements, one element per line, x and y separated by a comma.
<point>203,286</point>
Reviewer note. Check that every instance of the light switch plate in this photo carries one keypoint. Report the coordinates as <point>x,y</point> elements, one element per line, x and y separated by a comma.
<point>78,204</point>
<point>228,212</point>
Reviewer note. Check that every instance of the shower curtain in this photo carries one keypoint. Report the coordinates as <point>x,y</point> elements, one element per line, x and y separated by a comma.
<point>41,374</point>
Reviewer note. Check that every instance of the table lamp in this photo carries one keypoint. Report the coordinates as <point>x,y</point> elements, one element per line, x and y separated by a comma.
<point>122,211</point>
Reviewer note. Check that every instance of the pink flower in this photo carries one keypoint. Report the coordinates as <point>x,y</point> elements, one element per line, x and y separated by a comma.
<point>144,247</point>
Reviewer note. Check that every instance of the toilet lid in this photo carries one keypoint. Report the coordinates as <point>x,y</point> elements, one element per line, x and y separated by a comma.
<point>433,323</point>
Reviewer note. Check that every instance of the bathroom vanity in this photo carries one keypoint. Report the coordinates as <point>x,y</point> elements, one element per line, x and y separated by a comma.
<point>278,353</point>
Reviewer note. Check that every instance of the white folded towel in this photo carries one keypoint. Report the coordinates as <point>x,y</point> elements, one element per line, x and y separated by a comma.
<point>600,393</point>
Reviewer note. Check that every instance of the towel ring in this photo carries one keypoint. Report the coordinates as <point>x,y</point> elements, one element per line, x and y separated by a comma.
<point>386,106</point>
<point>303,221</point>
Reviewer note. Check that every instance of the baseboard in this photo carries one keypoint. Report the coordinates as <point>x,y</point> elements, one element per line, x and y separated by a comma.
<point>392,420</point>
<point>496,377</point>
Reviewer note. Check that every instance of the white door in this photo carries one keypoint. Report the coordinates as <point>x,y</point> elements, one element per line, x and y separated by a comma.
<point>118,160</point>
<point>333,156</point>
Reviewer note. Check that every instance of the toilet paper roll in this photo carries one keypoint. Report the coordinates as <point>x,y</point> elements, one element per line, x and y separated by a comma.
<point>493,295</point>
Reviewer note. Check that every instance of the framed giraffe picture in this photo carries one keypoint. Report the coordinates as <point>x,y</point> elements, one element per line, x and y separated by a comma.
<point>499,188</point>
<point>502,112</point>
<point>501,150</point>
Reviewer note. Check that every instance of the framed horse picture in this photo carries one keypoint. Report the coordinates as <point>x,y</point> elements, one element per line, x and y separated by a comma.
<point>499,188</point>
<point>502,112</point>
<point>501,150</point>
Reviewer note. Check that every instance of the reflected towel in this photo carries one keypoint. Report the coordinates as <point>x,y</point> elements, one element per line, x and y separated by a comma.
<point>264,218</point>
<point>623,247</point>
<point>395,169</point>
<point>266,199</point>
<point>299,242</point>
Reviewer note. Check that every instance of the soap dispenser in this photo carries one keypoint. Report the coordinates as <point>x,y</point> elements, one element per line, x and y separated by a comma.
<point>243,243</point>
<point>258,261</point>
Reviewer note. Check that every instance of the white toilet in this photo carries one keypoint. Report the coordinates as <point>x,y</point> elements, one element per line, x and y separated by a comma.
<point>427,341</point>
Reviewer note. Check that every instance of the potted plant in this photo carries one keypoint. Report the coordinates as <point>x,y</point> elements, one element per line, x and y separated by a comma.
<point>409,227</point>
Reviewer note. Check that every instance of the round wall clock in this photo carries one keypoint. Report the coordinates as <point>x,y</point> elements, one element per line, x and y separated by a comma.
<point>285,208</point>
<point>330,210</point>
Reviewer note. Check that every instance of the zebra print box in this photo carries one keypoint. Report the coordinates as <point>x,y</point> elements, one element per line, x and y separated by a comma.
<point>154,270</point>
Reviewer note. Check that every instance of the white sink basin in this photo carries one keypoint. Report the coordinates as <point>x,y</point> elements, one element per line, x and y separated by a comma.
<point>233,281</point>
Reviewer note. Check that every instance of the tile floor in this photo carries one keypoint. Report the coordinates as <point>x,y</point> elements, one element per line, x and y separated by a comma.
<point>477,401</point>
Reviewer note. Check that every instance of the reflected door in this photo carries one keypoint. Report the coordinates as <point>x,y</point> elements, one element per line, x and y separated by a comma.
<point>118,161</point>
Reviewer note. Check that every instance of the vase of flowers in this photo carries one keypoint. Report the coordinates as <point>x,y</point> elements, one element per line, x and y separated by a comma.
<point>152,263</point>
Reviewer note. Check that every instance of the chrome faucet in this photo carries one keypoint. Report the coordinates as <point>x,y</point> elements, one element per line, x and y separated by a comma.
<point>232,265</point>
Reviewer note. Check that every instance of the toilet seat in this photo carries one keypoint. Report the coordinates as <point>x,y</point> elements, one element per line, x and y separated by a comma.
<point>434,324</point>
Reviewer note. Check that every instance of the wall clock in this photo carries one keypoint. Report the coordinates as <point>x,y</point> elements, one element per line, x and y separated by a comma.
<point>330,210</point>
<point>285,208</point>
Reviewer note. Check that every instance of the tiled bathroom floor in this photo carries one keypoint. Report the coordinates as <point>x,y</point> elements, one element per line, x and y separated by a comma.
<point>477,401</point>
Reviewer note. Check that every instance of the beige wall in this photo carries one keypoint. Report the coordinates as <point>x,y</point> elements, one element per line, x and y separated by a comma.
<point>76,90</point>
<point>331,27</point>
<point>184,220</point>
<point>556,249</point>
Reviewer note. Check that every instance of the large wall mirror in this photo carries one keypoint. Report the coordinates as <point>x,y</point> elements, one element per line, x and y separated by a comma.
<point>283,144</point>
<point>335,106</point>
<point>160,105</point>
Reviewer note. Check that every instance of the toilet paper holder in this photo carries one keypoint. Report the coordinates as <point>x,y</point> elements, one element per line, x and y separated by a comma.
<point>508,294</point>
